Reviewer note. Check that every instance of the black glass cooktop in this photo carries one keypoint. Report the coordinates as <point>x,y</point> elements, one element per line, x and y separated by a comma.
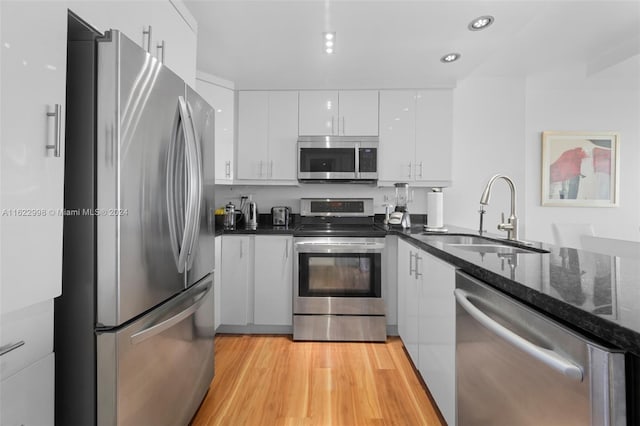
<point>339,230</point>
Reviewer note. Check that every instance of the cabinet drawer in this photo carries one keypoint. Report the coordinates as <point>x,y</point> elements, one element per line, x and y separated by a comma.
<point>27,398</point>
<point>30,331</point>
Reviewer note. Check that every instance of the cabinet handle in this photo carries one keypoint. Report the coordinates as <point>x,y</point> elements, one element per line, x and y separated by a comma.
<point>286,250</point>
<point>241,249</point>
<point>421,169</point>
<point>417,274</point>
<point>344,132</point>
<point>147,33</point>
<point>227,169</point>
<point>410,262</point>
<point>271,169</point>
<point>409,169</point>
<point>332,127</point>
<point>161,46</point>
<point>260,175</point>
<point>57,113</point>
<point>10,347</point>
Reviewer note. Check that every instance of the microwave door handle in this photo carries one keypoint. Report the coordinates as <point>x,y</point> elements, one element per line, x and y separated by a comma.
<point>357,170</point>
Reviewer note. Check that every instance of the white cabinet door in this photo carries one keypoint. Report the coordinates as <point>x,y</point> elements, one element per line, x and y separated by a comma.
<point>27,397</point>
<point>437,331</point>
<point>222,100</point>
<point>434,135</point>
<point>32,177</point>
<point>273,297</point>
<point>217,281</point>
<point>408,303</point>
<point>283,135</point>
<point>358,113</point>
<point>173,40</point>
<point>234,288</point>
<point>397,135</point>
<point>28,332</point>
<point>253,134</point>
<point>318,113</point>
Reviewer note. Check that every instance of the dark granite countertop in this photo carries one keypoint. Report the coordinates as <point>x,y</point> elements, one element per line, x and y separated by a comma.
<point>594,293</point>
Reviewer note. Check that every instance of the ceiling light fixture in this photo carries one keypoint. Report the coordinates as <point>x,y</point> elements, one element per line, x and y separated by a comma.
<point>329,41</point>
<point>450,57</point>
<point>480,23</point>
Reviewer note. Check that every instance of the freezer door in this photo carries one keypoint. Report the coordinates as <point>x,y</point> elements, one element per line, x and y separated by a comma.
<point>138,121</point>
<point>201,261</point>
<point>157,370</point>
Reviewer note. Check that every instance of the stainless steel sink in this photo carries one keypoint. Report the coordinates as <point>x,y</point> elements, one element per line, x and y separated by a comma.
<point>460,239</point>
<point>481,244</point>
<point>492,248</point>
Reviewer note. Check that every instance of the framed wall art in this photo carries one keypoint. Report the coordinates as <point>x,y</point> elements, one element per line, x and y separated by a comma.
<point>580,169</point>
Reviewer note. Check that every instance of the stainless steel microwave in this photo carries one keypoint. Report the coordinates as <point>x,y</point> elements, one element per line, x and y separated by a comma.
<point>338,158</point>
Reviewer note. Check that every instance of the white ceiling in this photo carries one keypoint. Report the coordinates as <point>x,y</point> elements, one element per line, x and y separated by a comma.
<point>270,44</point>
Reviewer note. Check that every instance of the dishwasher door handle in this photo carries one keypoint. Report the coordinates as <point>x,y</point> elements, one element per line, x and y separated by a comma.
<point>548,357</point>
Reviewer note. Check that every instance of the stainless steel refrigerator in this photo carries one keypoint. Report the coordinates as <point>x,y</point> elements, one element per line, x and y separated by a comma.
<point>134,326</point>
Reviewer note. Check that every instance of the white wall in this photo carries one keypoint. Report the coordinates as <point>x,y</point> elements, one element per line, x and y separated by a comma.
<point>569,100</point>
<point>488,138</point>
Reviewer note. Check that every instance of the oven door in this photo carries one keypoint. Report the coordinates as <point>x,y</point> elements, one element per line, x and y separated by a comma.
<point>338,276</point>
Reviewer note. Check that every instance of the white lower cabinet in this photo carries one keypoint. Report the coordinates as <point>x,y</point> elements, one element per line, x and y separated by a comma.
<point>26,398</point>
<point>256,274</point>
<point>426,321</point>
<point>273,292</point>
<point>234,285</point>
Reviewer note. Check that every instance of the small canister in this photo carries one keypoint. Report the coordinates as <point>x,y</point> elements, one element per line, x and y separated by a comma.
<point>229,216</point>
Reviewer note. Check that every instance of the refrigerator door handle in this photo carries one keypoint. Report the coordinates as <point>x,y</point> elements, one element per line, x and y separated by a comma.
<point>196,184</point>
<point>547,356</point>
<point>158,327</point>
<point>191,185</point>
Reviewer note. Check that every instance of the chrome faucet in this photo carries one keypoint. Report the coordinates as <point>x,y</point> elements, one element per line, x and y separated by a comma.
<point>511,226</point>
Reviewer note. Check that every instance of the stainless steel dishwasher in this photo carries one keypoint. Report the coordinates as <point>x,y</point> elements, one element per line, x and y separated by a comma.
<point>515,366</point>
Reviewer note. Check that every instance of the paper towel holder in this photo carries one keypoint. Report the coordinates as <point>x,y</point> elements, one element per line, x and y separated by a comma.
<point>431,228</point>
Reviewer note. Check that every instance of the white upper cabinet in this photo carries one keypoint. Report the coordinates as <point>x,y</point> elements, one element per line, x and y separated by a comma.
<point>434,135</point>
<point>343,113</point>
<point>166,31</point>
<point>33,64</point>
<point>283,131</point>
<point>416,134</point>
<point>397,135</point>
<point>222,100</point>
<point>253,134</point>
<point>358,113</point>
<point>267,135</point>
<point>318,113</point>
<point>173,40</point>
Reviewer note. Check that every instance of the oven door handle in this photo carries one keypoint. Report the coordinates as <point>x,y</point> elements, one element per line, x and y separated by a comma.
<point>339,248</point>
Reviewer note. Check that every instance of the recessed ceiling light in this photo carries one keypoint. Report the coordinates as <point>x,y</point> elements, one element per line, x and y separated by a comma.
<point>329,40</point>
<point>480,23</point>
<point>450,57</point>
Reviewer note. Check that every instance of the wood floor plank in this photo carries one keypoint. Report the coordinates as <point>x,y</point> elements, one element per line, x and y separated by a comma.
<point>271,380</point>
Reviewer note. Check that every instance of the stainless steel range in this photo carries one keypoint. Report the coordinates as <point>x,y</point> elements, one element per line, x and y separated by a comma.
<point>339,272</point>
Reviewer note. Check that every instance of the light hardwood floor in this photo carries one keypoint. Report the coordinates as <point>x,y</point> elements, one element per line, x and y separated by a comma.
<point>271,380</point>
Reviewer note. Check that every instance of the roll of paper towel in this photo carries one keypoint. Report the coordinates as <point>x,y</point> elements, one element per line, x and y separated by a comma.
<point>434,209</point>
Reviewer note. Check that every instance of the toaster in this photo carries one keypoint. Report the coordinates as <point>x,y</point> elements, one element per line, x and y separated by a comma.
<point>280,216</point>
